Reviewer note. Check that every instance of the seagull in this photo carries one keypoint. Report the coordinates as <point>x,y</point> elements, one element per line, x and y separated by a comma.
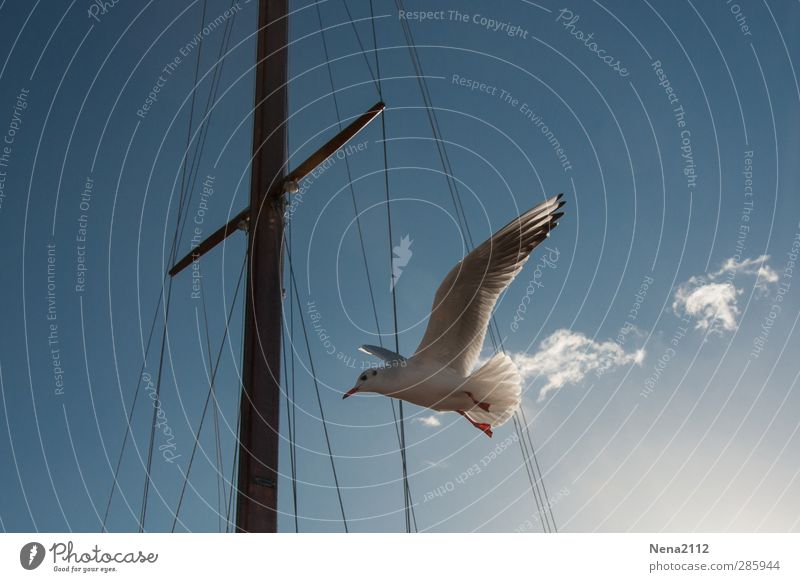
<point>440,375</point>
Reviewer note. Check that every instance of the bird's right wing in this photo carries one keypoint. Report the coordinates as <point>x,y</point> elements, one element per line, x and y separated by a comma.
<point>465,299</point>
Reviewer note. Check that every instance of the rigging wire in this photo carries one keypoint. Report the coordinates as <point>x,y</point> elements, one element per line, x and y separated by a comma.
<point>211,387</point>
<point>148,470</point>
<point>114,483</point>
<point>173,253</point>
<point>547,503</point>
<point>291,405</point>
<point>378,90</point>
<point>290,432</point>
<point>375,79</point>
<point>398,429</point>
<point>180,216</point>
<point>534,472</point>
<point>294,404</point>
<point>208,111</point>
<point>349,175</point>
<point>527,450</point>
<point>228,513</point>
<point>215,411</point>
<point>192,180</point>
<point>202,136</point>
<point>316,389</point>
<point>435,128</point>
<point>529,469</point>
<point>400,420</point>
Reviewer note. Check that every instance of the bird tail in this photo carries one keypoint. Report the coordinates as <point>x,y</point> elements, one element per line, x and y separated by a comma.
<point>495,389</point>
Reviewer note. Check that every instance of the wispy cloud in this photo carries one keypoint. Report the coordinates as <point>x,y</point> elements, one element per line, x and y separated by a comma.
<point>566,357</point>
<point>712,299</point>
<point>432,420</point>
<point>758,267</point>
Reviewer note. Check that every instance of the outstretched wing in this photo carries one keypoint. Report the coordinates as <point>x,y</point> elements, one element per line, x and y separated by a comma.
<point>388,356</point>
<point>465,299</point>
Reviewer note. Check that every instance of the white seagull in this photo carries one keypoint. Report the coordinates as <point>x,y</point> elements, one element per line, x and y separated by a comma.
<point>439,375</point>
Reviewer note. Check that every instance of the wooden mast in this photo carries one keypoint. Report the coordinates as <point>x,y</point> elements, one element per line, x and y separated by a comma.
<point>257,490</point>
<point>259,430</point>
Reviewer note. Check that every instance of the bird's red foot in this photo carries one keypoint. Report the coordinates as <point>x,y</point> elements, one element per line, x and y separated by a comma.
<point>486,428</point>
<point>482,426</point>
<point>483,405</point>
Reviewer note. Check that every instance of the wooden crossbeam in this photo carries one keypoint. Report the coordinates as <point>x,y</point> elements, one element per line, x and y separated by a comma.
<point>294,177</point>
<point>335,143</point>
<point>213,240</point>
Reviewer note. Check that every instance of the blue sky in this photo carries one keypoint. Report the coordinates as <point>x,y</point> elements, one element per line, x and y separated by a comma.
<point>656,340</point>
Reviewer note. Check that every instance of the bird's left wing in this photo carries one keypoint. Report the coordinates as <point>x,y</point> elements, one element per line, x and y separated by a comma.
<point>387,356</point>
<point>465,299</point>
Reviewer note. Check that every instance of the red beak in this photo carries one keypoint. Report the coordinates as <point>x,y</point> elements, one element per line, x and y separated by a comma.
<point>350,392</point>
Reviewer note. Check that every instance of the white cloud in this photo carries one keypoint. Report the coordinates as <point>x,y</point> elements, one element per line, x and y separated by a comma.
<point>710,304</point>
<point>566,357</point>
<point>712,299</point>
<point>432,420</point>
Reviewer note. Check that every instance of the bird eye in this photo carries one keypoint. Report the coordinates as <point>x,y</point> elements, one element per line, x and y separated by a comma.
<point>374,372</point>
<point>363,377</point>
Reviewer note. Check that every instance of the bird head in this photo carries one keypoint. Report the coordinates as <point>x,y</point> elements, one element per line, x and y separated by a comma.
<point>366,383</point>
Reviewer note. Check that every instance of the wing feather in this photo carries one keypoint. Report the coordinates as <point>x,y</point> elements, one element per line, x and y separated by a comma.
<point>464,301</point>
<point>387,356</point>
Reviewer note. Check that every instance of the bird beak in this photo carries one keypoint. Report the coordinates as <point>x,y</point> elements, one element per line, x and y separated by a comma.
<point>350,392</point>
